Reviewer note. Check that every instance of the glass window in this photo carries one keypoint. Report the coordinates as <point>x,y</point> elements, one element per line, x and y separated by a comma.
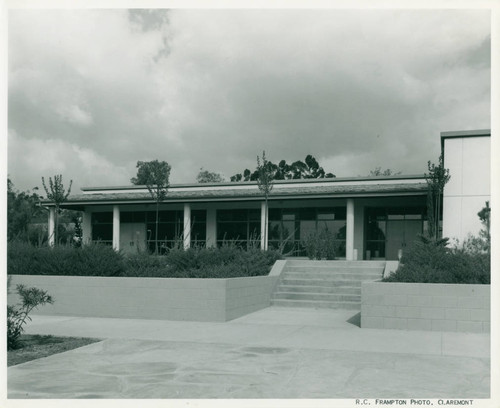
<point>102,217</point>
<point>102,232</point>
<point>290,227</point>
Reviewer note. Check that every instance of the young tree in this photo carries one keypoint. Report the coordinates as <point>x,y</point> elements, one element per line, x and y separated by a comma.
<point>265,183</point>
<point>205,176</point>
<point>58,195</point>
<point>436,180</point>
<point>155,176</point>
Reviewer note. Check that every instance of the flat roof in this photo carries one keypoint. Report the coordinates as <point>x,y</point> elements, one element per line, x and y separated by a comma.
<point>466,133</point>
<point>254,183</point>
<point>463,134</point>
<point>251,193</point>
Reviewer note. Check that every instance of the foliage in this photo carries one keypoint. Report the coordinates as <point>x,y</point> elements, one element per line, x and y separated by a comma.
<point>321,245</point>
<point>57,193</point>
<point>265,184</point>
<point>155,176</point>
<point>22,209</point>
<point>436,179</point>
<point>17,315</point>
<point>90,260</point>
<point>35,346</point>
<point>101,260</point>
<point>224,262</point>
<point>283,171</point>
<point>430,260</point>
<point>379,172</point>
<point>485,216</point>
<point>264,175</point>
<point>76,218</point>
<point>205,176</point>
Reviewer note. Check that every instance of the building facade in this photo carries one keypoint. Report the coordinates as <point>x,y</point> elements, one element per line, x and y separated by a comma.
<point>368,217</point>
<point>467,156</point>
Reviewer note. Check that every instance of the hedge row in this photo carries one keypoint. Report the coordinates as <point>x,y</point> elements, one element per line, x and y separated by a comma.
<point>428,261</point>
<point>101,260</point>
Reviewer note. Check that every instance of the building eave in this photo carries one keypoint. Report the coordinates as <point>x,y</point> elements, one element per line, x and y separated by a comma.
<point>342,192</point>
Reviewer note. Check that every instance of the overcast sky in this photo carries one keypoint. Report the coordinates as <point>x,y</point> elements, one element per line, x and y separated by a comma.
<point>91,92</point>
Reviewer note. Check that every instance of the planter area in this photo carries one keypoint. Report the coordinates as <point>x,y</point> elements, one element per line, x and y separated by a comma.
<point>207,300</point>
<point>425,306</point>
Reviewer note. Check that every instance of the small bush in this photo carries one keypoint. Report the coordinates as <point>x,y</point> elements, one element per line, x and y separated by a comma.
<point>428,261</point>
<point>17,315</point>
<point>321,245</point>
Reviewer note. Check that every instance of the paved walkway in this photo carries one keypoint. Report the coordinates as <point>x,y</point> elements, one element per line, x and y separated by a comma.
<point>272,353</point>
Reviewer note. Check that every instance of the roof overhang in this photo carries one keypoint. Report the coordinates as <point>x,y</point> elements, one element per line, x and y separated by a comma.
<point>463,134</point>
<point>238,192</point>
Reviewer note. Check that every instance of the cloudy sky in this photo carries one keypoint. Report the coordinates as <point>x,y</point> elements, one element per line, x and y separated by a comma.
<point>91,92</point>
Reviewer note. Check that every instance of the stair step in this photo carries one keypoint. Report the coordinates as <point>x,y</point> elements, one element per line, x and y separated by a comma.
<point>334,268</point>
<point>317,304</point>
<point>325,284</point>
<point>330,297</point>
<point>335,264</point>
<point>348,290</point>
<point>332,275</point>
<point>322,282</point>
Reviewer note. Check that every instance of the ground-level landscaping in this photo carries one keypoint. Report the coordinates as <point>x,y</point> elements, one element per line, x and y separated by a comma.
<point>227,261</point>
<point>216,300</point>
<point>38,346</point>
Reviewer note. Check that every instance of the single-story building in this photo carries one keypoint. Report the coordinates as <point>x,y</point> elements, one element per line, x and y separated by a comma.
<point>370,217</point>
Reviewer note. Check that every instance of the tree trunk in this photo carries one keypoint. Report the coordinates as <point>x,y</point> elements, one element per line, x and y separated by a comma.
<point>156,232</point>
<point>56,225</point>
<point>266,212</point>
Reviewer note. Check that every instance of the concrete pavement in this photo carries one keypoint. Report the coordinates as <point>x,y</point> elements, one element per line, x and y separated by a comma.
<point>272,353</point>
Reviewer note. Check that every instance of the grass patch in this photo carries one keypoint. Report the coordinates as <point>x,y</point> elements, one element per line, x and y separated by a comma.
<point>36,346</point>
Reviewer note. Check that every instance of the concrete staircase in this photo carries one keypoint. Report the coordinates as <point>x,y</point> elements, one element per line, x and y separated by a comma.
<point>325,284</point>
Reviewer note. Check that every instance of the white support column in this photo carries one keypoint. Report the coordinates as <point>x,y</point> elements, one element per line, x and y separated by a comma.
<point>264,219</point>
<point>187,226</point>
<point>211,227</point>
<point>116,227</point>
<point>52,226</point>
<point>349,239</point>
<point>86,228</point>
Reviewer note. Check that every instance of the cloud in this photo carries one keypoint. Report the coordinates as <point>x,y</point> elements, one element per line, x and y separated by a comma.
<point>213,88</point>
<point>48,157</point>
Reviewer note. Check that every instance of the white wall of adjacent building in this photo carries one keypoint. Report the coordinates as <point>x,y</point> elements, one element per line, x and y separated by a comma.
<point>468,160</point>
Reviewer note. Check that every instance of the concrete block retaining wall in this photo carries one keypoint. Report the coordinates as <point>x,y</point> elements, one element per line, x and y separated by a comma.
<point>215,300</point>
<point>425,306</point>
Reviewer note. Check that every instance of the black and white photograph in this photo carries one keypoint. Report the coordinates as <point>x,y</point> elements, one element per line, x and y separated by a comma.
<point>254,204</point>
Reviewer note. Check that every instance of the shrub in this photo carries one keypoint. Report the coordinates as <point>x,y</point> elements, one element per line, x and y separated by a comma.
<point>431,261</point>
<point>90,260</point>
<point>101,260</point>
<point>17,315</point>
<point>321,245</point>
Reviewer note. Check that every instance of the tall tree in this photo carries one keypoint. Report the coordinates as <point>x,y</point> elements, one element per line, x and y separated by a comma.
<point>205,176</point>
<point>436,179</point>
<point>155,175</point>
<point>22,209</point>
<point>284,171</point>
<point>56,193</point>
<point>265,172</point>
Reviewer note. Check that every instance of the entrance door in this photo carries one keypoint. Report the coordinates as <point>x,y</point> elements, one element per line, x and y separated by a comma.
<point>395,238</point>
<point>400,233</point>
<point>132,237</point>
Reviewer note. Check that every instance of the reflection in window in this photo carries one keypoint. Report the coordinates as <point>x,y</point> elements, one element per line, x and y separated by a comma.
<point>288,228</point>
